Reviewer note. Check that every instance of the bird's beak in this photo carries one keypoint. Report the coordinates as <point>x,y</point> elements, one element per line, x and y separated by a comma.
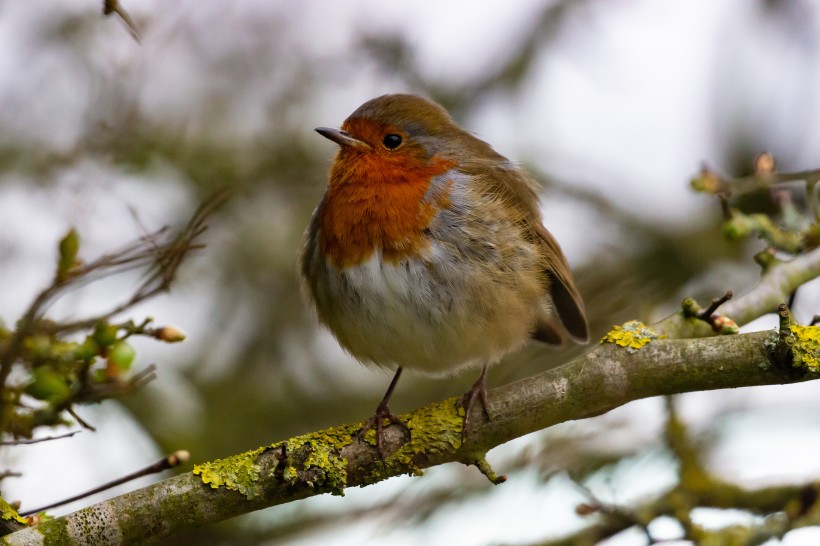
<point>341,138</point>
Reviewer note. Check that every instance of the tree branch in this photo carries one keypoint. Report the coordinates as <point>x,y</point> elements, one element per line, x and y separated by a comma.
<point>330,460</point>
<point>780,279</point>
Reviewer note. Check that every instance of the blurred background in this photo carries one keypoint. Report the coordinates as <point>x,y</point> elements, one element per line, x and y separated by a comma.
<point>612,105</point>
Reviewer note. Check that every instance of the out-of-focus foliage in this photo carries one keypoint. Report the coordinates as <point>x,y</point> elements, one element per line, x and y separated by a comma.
<point>48,367</point>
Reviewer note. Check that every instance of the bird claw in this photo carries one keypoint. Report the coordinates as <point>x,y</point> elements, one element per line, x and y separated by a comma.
<point>478,392</point>
<point>377,422</point>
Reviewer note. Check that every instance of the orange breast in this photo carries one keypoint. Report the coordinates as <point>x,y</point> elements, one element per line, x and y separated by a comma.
<point>376,201</point>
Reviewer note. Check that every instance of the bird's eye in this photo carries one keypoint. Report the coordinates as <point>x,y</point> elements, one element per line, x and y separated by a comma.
<point>391,141</point>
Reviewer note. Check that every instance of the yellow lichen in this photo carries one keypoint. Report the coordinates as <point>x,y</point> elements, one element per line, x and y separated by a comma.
<point>633,335</point>
<point>438,426</point>
<point>434,429</point>
<point>315,459</point>
<point>237,473</point>
<point>806,348</point>
<point>323,468</point>
<point>9,513</point>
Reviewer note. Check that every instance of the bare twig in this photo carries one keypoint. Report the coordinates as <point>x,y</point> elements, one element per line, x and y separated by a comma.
<point>174,459</point>
<point>717,302</point>
<point>113,6</point>
<point>622,517</point>
<point>38,440</point>
<point>100,392</point>
<point>82,422</point>
<point>719,323</point>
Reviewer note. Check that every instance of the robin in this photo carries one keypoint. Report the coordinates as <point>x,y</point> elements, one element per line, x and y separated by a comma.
<point>427,251</point>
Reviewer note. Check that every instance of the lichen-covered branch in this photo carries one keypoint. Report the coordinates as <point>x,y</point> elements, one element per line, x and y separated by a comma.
<point>333,459</point>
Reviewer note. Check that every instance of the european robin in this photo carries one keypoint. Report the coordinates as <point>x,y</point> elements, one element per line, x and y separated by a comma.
<point>427,250</point>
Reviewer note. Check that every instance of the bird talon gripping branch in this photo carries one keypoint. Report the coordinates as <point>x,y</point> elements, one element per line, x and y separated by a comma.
<point>376,423</point>
<point>427,250</point>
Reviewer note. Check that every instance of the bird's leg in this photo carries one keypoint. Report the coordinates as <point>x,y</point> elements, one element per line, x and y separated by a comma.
<point>382,413</point>
<point>477,392</point>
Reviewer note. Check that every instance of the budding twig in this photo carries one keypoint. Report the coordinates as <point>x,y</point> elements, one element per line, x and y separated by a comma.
<point>82,422</point>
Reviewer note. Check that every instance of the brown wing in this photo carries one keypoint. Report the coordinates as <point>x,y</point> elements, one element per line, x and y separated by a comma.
<point>520,191</point>
<point>565,296</point>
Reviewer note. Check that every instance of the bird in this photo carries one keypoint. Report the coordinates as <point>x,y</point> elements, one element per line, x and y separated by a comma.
<point>427,252</point>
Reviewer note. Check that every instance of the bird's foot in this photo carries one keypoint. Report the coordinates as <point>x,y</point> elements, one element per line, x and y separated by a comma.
<point>477,393</point>
<point>377,423</point>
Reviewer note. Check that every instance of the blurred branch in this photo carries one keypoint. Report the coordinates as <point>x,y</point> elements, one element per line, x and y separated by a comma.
<point>794,506</point>
<point>395,55</point>
<point>113,6</point>
<point>763,177</point>
<point>789,231</point>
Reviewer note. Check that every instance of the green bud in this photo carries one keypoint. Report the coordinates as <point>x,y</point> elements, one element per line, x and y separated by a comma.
<point>88,350</point>
<point>48,385</point>
<point>105,334</point>
<point>39,347</point>
<point>121,355</point>
<point>69,247</point>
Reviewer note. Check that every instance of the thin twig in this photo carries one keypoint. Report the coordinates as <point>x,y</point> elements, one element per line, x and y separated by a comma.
<point>706,314</point>
<point>113,6</point>
<point>721,324</point>
<point>38,440</point>
<point>97,393</point>
<point>174,459</point>
<point>624,516</point>
<point>82,422</point>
